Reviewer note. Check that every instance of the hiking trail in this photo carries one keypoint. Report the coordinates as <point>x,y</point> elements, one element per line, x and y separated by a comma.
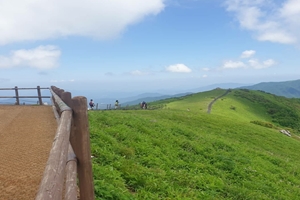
<point>215,99</point>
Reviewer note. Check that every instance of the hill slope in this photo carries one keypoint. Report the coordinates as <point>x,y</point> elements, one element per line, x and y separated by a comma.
<point>176,153</point>
<point>153,98</point>
<point>288,88</point>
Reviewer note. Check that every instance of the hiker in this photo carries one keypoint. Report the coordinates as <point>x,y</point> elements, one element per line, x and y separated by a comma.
<point>91,104</point>
<point>143,105</point>
<point>116,104</point>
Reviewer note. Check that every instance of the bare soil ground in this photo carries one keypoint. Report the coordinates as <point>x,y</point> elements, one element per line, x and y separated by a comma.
<point>26,136</point>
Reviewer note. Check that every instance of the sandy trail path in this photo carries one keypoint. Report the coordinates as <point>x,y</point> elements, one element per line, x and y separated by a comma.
<point>26,136</point>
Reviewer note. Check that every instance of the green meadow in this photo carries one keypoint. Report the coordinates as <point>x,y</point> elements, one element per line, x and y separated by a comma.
<point>176,150</point>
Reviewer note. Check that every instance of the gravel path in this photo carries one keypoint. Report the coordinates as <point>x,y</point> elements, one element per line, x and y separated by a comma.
<point>213,101</point>
<point>26,136</point>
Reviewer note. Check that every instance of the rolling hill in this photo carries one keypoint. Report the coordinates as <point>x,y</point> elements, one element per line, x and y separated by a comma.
<point>179,151</point>
<point>149,98</point>
<point>290,89</point>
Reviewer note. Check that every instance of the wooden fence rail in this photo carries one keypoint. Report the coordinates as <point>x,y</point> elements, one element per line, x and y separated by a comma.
<point>17,96</point>
<point>70,151</point>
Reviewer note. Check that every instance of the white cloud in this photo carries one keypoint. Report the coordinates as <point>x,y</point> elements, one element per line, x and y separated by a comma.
<point>248,54</point>
<point>268,20</point>
<point>251,63</point>
<point>42,57</point>
<point>233,64</point>
<point>23,20</point>
<point>179,68</point>
<point>204,76</point>
<point>205,69</point>
<point>256,64</point>
<point>269,63</point>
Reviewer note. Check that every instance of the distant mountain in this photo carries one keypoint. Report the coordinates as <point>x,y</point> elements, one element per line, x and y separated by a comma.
<point>290,89</point>
<point>155,98</point>
<point>133,100</point>
<point>218,85</point>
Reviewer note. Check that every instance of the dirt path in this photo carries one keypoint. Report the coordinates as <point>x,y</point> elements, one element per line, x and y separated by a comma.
<point>213,101</point>
<point>26,136</point>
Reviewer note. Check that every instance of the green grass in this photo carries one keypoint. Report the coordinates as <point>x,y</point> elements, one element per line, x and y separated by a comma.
<point>240,108</point>
<point>172,153</point>
<point>196,102</point>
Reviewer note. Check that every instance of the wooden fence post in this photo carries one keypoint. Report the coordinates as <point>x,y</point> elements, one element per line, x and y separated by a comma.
<point>71,176</point>
<point>17,95</point>
<point>67,98</point>
<point>39,95</point>
<point>51,186</point>
<point>80,141</point>
<point>60,92</point>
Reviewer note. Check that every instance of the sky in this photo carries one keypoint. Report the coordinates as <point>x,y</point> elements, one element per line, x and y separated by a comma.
<point>109,47</point>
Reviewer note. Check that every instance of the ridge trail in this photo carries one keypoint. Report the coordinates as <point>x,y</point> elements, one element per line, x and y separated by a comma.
<point>213,101</point>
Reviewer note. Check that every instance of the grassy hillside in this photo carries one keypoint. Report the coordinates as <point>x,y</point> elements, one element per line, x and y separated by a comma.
<point>151,99</point>
<point>289,89</point>
<point>173,153</point>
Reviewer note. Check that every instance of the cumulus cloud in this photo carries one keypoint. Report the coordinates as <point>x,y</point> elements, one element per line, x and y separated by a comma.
<point>272,21</point>
<point>256,64</point>
<point>248,54</point>
<point>229,64</point>
<point>205,69</point>
<point>269,62</point>
<point>252,63</point>
<point>42,57</point>
<point>27,20</point>
<point>179,68</point>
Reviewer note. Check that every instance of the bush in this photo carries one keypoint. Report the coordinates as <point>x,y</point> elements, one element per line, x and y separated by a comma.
<point>265,124</point>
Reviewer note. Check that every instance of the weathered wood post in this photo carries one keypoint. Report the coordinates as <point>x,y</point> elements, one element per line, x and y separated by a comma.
<point>80,141</point>
<point>17,95</point>
<point>71,165</point>
<point>71,176</point>
<point>51,186</point>
<point>97,106</point>
<point>60,92</point>
<point>39,95</point>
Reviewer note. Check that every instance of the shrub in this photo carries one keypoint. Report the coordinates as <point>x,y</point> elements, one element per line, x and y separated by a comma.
<point>265,124</point>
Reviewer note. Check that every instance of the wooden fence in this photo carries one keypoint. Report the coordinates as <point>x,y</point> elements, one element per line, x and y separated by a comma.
<point>17,97</point>
<point>106,107</point>
<point>70,156</point>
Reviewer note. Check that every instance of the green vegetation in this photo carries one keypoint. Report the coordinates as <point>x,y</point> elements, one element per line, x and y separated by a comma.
<point>178,151</point>
<point>290,89</point>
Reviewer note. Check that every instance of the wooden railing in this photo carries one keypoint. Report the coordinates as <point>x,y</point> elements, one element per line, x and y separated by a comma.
<point>70,156</point>
<point>17,97</point>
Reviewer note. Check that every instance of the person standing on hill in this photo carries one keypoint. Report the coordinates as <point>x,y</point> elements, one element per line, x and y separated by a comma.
<point>91,104</point>
<point>116,104</point>
<point>143,105</point>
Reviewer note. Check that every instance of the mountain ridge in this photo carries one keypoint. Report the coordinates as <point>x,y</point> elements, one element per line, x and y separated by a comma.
<point>290,89</point>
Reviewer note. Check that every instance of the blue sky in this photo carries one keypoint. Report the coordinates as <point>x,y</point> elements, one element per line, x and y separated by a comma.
<point>132,46</point>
